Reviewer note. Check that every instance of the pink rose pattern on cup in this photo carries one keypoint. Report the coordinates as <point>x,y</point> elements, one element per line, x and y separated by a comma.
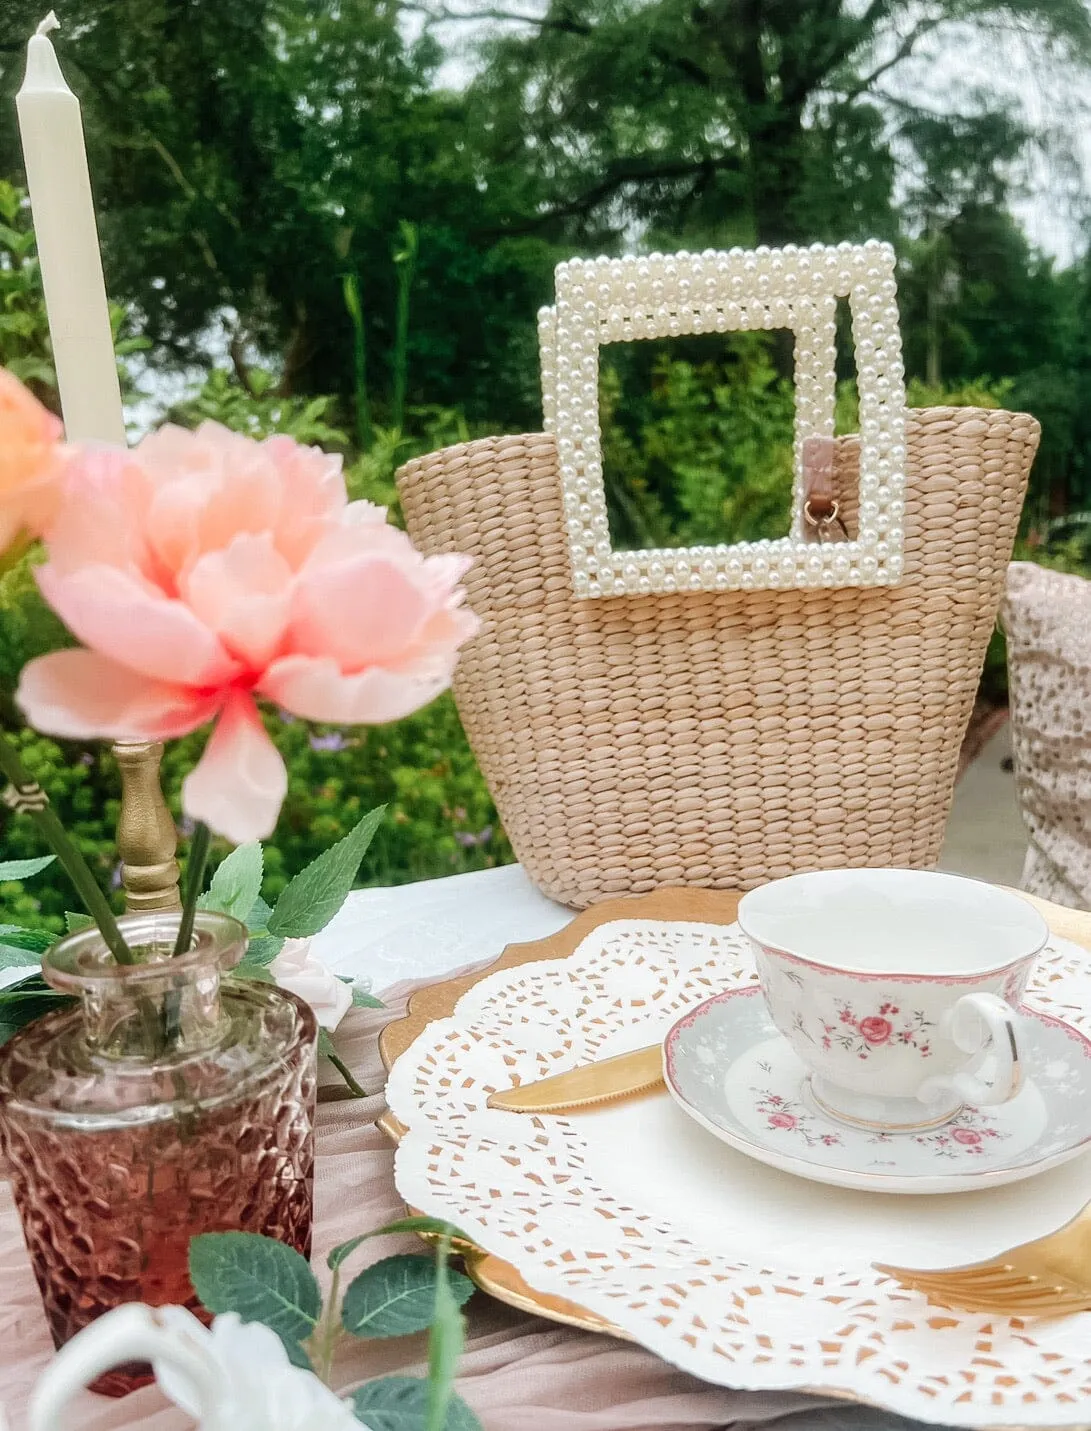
<point>861,1035</point>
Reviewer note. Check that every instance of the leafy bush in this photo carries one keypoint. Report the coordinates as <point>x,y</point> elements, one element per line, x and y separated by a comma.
<point>25,346</point>
<point>441,819</point>
<point>694,449</point>
<point>260,409</point>
<point>24,333</point>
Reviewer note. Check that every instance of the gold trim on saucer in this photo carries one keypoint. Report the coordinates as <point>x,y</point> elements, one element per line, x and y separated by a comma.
<point>873,1125</point>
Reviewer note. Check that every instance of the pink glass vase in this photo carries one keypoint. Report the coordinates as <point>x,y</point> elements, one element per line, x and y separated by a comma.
<point>172,1101</point>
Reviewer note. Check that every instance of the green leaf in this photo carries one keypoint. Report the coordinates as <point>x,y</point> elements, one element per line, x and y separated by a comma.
<point>12,957</point>
<point>237,882</point>
<point>261,1280</point>
<point>395,1297</point>
<point>37,941</point>
<point>258,915</point>
<point>23,869</point>
<point>22,1003</point>
<point>400,1403</point>
<point>35,985</point>
<point>361,999</point>
<point>345,1249</point>
<point>296,1355</point>
<point>251,969</point>
<point>314,896</point>
<point>263,949</point>
<point>75,922</point>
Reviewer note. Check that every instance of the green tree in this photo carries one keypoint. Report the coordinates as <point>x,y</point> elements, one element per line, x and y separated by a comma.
<point>24,333</point>
<point>748,120</point>
<point>247,159</point>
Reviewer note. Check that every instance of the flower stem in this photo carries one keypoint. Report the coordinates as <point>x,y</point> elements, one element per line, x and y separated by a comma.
<point>343,1069</point>
<point>32,800</point>
<point>331,1330</point>
<point>195,878</point>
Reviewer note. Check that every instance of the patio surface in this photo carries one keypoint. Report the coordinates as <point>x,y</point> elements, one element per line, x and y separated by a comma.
<point>985,835</point>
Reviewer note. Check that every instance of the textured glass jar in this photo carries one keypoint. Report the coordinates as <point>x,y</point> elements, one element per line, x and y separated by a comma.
<point>170,1102</point>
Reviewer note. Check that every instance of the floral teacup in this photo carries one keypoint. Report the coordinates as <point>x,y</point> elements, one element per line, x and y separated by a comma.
<point>896,988</point>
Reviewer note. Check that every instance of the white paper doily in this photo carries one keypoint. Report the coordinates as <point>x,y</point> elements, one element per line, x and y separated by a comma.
<point>737,1273</point>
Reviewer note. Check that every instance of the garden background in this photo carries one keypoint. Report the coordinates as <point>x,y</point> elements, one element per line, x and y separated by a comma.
<point>338,220</point>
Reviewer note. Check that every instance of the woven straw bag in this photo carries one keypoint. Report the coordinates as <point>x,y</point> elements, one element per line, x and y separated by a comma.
<point>723,738</point>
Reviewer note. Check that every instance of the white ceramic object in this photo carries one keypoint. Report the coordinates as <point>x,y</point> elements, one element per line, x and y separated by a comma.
<point>894,986</point>
<point>233,1377</point>
<point>731,1071</point>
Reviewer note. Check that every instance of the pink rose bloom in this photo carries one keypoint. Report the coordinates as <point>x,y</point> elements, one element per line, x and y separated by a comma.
<point>781,1120</point>
<point>203,570</point>
<point>967,1136</point>
<point>875,1029</point>
<point>31,462</point>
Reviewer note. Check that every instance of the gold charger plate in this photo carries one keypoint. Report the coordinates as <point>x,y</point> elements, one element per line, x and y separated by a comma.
<point>437,1001</point>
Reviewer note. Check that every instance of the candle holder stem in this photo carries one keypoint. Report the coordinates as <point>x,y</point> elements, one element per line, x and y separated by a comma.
<point>146,837</point>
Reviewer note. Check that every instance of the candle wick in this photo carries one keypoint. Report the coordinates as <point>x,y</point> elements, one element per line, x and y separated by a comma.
<point>49,23</point>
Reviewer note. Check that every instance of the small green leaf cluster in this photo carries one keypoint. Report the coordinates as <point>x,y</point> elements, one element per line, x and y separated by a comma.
<point>266,1281</point>
<point>305,906</point>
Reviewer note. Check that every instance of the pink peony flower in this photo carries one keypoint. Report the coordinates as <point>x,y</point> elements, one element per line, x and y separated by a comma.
<point>969,1137</point>
<point>875,1029</point>
<point>203,570</point>
<point>781,1120</point>
<point>32,460</point>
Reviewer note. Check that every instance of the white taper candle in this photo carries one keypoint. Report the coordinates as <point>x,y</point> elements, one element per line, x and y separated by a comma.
<point>68,248</point>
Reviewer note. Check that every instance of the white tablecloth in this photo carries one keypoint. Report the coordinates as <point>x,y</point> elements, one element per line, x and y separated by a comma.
<point>427,930</point>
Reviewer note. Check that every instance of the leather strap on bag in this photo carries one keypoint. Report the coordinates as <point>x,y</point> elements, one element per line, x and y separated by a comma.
<point>821,513</point>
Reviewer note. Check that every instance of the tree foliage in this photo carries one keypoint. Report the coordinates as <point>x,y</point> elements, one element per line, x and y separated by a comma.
<point>297,201</point>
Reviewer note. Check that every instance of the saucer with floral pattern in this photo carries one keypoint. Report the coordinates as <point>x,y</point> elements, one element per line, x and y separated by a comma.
<point>726,1065</point>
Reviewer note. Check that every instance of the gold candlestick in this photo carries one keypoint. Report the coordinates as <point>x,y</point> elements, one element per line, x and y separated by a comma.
<point>146,837</point>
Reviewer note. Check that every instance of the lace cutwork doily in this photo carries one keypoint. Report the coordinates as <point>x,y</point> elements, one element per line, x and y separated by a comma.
<point>739,1274</point>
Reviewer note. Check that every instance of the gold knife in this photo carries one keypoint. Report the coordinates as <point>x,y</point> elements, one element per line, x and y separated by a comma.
<point>586,1086</point>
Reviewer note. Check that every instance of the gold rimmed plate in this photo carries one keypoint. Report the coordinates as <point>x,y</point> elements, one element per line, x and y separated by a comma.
<point>436,1001</point>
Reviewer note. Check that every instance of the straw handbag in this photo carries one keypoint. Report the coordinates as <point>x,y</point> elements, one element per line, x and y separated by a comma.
<point>723,737</point>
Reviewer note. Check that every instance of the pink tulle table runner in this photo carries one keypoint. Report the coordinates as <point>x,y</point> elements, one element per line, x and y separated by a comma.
<point>519,1373</point>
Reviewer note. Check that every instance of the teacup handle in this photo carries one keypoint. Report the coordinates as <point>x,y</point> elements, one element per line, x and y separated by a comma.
<point>999,1019</point>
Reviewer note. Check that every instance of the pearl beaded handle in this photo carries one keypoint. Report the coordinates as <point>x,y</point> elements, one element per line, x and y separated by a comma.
<point>611,300</point>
